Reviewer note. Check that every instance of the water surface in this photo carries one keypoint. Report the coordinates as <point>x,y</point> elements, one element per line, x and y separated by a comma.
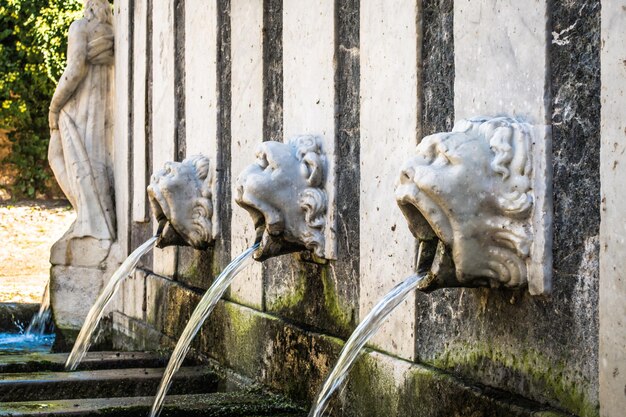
<point>20,343</point>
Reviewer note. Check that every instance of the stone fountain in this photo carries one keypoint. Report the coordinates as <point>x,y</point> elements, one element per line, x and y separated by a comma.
<point>523,296</point>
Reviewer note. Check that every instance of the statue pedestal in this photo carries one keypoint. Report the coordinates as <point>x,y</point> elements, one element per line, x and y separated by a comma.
<point>81,267</point>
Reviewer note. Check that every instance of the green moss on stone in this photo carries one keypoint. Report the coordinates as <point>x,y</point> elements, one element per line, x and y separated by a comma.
<point>554,380</point>
<point>341,316</point>
<point>372,388</point>
<point>291,300</point>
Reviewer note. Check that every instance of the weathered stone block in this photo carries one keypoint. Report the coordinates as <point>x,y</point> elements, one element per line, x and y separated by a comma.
<point>131,297</point>
<point>293,361</point>
<point>196,268</point>
<point>169,305</point>
<point>73,290</point>
<point>133,335</point>
<point>80,252</point>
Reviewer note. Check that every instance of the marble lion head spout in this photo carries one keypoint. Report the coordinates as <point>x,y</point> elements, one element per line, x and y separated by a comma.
<point>180,197</point>
<point>283,193</point>
<point>467,195</point>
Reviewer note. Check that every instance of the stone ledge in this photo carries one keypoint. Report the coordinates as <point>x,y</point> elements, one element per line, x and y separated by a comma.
<point>293,361</point>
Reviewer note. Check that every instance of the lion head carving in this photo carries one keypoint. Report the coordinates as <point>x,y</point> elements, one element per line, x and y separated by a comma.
<point>180,197</point>
<point>283,193</point>
<point>471,190</point>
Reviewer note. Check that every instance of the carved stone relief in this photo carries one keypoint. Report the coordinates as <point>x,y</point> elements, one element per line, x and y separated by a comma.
<point>283,191</point>
<point>181,200</point>
<point>468,196</point>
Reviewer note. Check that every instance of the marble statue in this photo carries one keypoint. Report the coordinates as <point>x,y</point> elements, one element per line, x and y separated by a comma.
<point>471,189</point>
<point>283,191</point>
<point>80,152</point>
<point>181,200</point>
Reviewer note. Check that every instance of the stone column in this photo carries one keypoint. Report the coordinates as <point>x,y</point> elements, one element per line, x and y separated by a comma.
<point>613,212</point>
<point>389,132</point>
<point>247,133</point>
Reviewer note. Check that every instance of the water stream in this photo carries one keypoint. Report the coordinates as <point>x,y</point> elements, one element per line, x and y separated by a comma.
<point>198,317</point>
<point>37,337</point>
<point>362,334</point>
<point>40,321</point>
<point>83,341</point>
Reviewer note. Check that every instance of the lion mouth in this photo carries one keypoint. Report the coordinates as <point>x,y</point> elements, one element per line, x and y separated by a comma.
<point>168,235</point>
<point>269,232</point>
<point>425,218</point>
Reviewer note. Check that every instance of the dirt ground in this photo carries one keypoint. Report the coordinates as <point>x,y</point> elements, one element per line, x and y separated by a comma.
<point>27,231</point>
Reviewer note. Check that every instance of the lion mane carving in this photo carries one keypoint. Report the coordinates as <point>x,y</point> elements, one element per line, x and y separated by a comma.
<point>471,189</point>
<point>180,197</point>
<point>283,191</point>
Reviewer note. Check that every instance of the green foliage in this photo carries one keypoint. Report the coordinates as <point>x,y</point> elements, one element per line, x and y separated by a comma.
<point>33,40</point>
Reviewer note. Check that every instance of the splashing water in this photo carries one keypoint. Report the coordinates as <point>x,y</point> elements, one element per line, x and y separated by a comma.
<point>198,317</point>
<point>83,341</point>
<point>11,343</point>
<point>34,339</point>
<point>40,321</point>
<point>363,333</point>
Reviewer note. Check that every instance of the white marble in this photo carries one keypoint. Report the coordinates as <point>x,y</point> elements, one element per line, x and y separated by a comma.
<point>501,69</point>
<point>471,188</point>
<point>389,115</point>
<point>181,201</point>
<point>247,132</point>
<point>612,303</point>
<point>308,85</point>
<point>163,115</point>
<point>81,126</point>
<point>283,191</point>
<point>81,155</point>
<point>140,168</point>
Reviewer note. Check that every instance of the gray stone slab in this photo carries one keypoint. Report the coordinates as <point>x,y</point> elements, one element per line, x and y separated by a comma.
<point>73,290</point>
<point>102,383</point>
<point>437,66</point>
<point>344,272</point>
<point>122,128</point>
<point>138,128</point>
<point>224,136</point>
<point>235,404</point>
<point>36,362</point>
<point>170,305</point>
<point>273,70</point>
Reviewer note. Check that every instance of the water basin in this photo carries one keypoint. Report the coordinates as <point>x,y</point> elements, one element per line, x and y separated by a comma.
<point>15,343</point>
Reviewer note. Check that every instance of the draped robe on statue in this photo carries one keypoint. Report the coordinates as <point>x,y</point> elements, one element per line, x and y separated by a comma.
<point>81,148</point>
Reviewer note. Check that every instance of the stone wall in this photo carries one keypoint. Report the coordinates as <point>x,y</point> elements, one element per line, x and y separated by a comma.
<point>371,78</point>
